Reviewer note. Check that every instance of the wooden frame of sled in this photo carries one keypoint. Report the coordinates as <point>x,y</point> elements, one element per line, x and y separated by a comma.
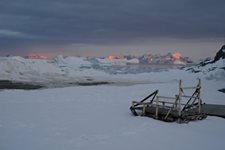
<point>171,109</point>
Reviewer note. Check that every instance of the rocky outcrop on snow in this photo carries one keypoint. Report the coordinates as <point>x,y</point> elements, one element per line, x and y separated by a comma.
<point>220,54</point>
<point>212,69</point>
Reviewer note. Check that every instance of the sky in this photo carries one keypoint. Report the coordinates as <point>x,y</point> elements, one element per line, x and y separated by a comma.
<point>196,28</point>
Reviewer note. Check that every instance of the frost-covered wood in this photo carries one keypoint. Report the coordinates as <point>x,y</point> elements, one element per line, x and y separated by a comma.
<point>184,108</point>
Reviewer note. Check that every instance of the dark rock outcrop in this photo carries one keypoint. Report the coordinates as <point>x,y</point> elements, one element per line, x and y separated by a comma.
<point>220,54</point>
<point>200,67</point>
<point>222,90</point>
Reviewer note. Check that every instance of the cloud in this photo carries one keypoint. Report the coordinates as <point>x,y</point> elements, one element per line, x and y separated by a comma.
<point>14,34</point>
<point>4,32</point>
<point>61,22</point>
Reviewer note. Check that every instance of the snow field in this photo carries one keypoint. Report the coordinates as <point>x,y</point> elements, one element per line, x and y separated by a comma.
<point>98,117</point>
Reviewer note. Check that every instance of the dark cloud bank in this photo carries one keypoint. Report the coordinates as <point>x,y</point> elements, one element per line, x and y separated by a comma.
<point>55,24</point>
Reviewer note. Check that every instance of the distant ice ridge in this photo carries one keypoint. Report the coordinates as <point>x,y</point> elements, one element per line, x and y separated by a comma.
<point>72,62</point>
<point>69,69</point>
<point>72,70</point>
<point>63,71</point>
<point>124,66</point>
<point>26,69</point>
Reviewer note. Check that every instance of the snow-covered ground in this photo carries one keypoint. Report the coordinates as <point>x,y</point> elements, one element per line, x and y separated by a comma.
<point>98,117</point>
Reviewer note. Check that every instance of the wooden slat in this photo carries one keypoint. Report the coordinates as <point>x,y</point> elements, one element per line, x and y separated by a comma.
<point>141,103</point>
<point>157,107</point>
<point>169,102</point>
<point>186,88</point>
<point>161,111</point>
<point>186,96</point>
<point>166,102</point>
<point>165,97</point>
<point>179,97</point>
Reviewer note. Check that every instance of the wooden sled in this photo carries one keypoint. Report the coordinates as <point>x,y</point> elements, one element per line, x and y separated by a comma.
<point>171,109</point>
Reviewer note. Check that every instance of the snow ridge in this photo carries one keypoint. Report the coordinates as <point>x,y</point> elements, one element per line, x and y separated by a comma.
<point>76,69</point>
